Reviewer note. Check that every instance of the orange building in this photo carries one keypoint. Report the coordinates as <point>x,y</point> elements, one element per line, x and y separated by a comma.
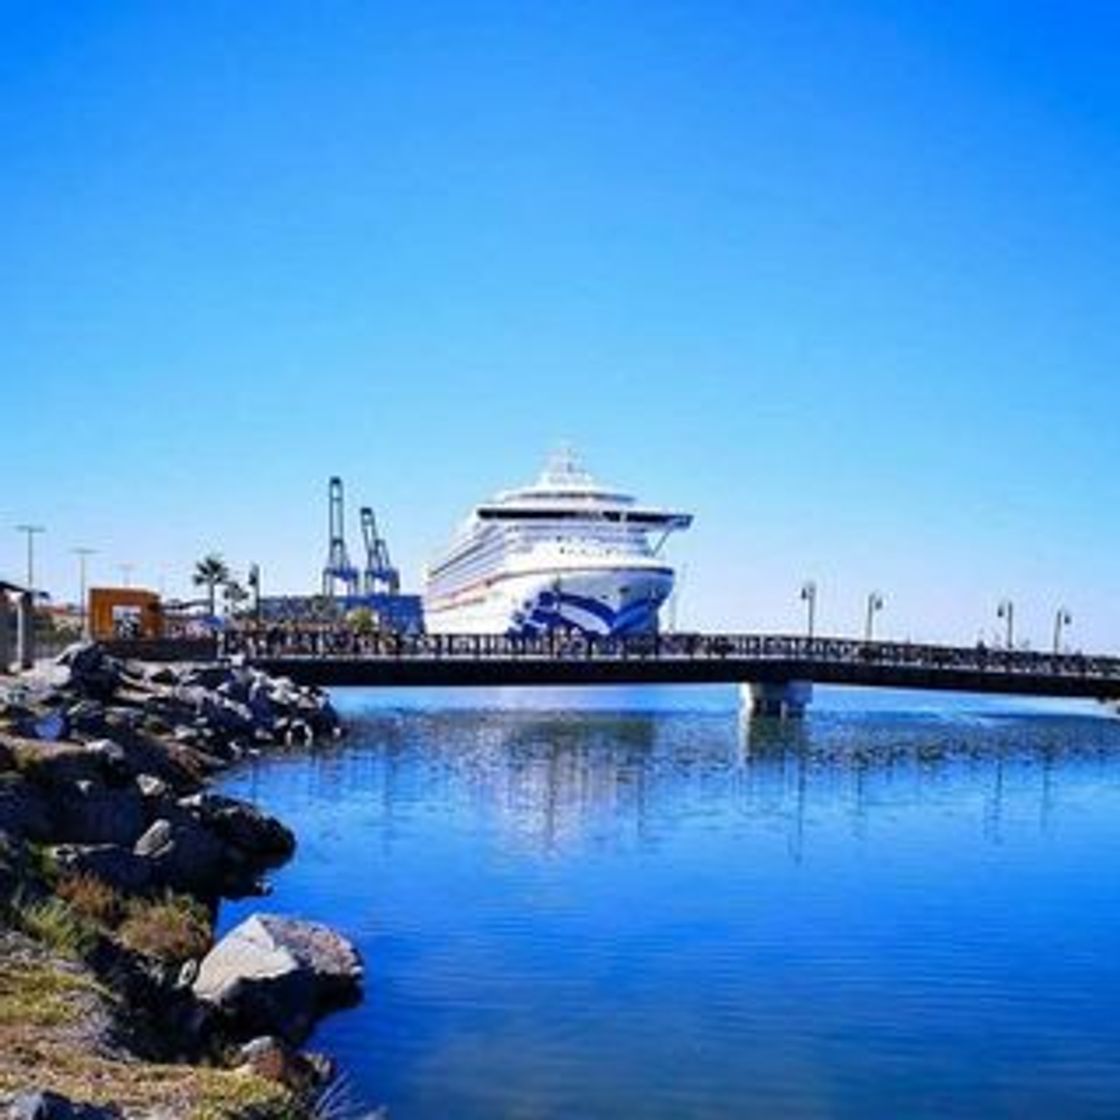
<point>124,612</point>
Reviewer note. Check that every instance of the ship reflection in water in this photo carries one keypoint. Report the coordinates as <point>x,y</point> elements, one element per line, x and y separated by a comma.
<point>682,912</point>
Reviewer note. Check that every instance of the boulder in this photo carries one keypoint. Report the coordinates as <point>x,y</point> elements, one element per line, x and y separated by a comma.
<point>93,673</point>
<point>277,975</point>
<point>23,809</point>
<point>163,675</point>
<point>241,824</point>
<point>51,727</point>
<point>90,813</point>
<point>184,855</point>
<point>42,1104</point>
<point>274,1060</point>
<point>113,864</point>
<point>86,717</point>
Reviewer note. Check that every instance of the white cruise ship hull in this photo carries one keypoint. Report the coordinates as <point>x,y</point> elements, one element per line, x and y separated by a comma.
<point>604,600</point>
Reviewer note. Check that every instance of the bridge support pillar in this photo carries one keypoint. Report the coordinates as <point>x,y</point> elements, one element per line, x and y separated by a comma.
<point>783,699</point>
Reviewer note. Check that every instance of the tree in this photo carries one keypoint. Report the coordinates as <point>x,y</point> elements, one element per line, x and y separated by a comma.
<point>209,572</point>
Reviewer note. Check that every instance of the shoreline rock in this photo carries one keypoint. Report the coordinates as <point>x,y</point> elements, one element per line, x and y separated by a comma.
<point>106,820</point>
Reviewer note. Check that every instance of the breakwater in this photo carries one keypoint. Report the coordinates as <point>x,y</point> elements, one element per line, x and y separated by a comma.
<point>114,855</point>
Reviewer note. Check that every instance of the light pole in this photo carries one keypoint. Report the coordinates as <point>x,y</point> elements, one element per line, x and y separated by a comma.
<point>30,530</point>
<point>82,554</point>
<point>809,598</point>
<point>874,605</point>
<point>126,574</point>
<point>255,584</point>
<point>1006,611</point>
<point>1062,618</point>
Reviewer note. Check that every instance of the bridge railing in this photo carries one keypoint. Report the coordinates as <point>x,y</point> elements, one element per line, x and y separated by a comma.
<point>805,652</point>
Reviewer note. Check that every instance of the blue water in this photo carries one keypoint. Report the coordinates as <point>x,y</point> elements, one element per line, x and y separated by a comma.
<point>624,904</point>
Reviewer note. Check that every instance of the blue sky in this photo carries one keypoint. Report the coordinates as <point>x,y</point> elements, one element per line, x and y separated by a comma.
<point>841,278</point>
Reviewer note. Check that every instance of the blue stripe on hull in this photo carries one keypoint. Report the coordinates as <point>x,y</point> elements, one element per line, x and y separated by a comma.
<point>562,610</point>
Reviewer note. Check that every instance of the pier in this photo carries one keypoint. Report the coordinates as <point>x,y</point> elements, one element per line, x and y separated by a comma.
<point>780,670</point>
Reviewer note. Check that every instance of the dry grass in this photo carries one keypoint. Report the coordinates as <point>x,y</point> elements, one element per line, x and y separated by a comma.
<point>172,929</point>
<point>49,1014</point>
<point>91,898</point>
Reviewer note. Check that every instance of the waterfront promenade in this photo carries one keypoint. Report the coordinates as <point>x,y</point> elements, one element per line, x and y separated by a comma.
<point>772,663</point>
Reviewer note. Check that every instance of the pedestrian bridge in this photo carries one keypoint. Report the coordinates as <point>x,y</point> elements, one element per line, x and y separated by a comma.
<point>780,669</point>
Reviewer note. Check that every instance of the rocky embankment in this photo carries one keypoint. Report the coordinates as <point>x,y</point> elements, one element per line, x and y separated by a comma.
<point>114,855</point>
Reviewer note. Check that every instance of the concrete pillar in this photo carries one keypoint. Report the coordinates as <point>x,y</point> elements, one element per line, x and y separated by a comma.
<point>25,631</point>
<point>783,699</point>
<point>7,643</point>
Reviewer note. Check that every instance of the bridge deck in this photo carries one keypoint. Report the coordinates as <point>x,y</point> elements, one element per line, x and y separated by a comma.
<point>339,659</point>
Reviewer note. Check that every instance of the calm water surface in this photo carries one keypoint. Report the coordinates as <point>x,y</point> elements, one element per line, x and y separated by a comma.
<point>620,904</point>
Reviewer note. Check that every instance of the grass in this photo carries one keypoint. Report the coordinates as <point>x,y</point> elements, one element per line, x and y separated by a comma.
<point>172,929</point>
<point>55,924</point>
<point>39,996</point>
<point>91,898</point>
<point>46,1041</point>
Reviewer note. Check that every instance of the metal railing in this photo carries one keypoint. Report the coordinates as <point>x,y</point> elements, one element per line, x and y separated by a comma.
<point>334,643</point>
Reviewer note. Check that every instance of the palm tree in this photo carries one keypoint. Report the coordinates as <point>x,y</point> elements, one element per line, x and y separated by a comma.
<point>209,572</point>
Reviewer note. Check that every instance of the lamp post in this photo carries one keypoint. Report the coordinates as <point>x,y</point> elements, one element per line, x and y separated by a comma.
<point>1006,611</point>
<point>1062,618</point>
<point>30,530</point>
<point>126,574</point>
<point>255,583</point>
<point>82,554</point>
<point>874,605</point>
<point>809,598</point>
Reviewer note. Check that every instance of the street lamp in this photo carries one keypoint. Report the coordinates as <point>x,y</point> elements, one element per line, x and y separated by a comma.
<point>1062,618</point>
<point>30,530</point>
<point>126,574</point>
<point>255,583</point>
<point>874,605</point>
<point>809,598</point>
<point>1006,611</point>
<point>82,554</point>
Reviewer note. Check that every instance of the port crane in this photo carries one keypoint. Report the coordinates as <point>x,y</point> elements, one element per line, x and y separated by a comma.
<point>338,569</point>
<point>379,574</point>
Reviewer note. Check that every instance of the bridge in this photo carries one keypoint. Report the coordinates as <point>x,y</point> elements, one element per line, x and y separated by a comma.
<point>780,669</point>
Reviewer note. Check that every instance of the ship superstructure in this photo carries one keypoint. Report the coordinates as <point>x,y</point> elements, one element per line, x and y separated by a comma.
<point>563,553</point>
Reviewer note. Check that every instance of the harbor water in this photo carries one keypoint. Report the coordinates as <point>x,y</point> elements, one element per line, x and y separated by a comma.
<point>614,903</point>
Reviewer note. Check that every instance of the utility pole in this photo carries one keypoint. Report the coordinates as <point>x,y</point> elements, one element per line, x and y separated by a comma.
<point>30,530</point>
<point>82,553</point>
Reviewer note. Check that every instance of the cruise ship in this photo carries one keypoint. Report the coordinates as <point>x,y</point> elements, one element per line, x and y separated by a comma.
<point>564,553</point>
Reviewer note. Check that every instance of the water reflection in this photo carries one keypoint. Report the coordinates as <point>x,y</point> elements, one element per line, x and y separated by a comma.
<point>552,781</point>
<point>683,913</point>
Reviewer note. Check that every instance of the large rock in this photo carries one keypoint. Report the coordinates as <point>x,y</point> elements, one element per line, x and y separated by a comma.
<point>276,975</point>
<point>185,855</point>
<point>90,813</point>
<point>241,824</point>
<point>117,866</point>
<point>45,1105</point>
<point>23,809</point>
<point>93,673</point>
